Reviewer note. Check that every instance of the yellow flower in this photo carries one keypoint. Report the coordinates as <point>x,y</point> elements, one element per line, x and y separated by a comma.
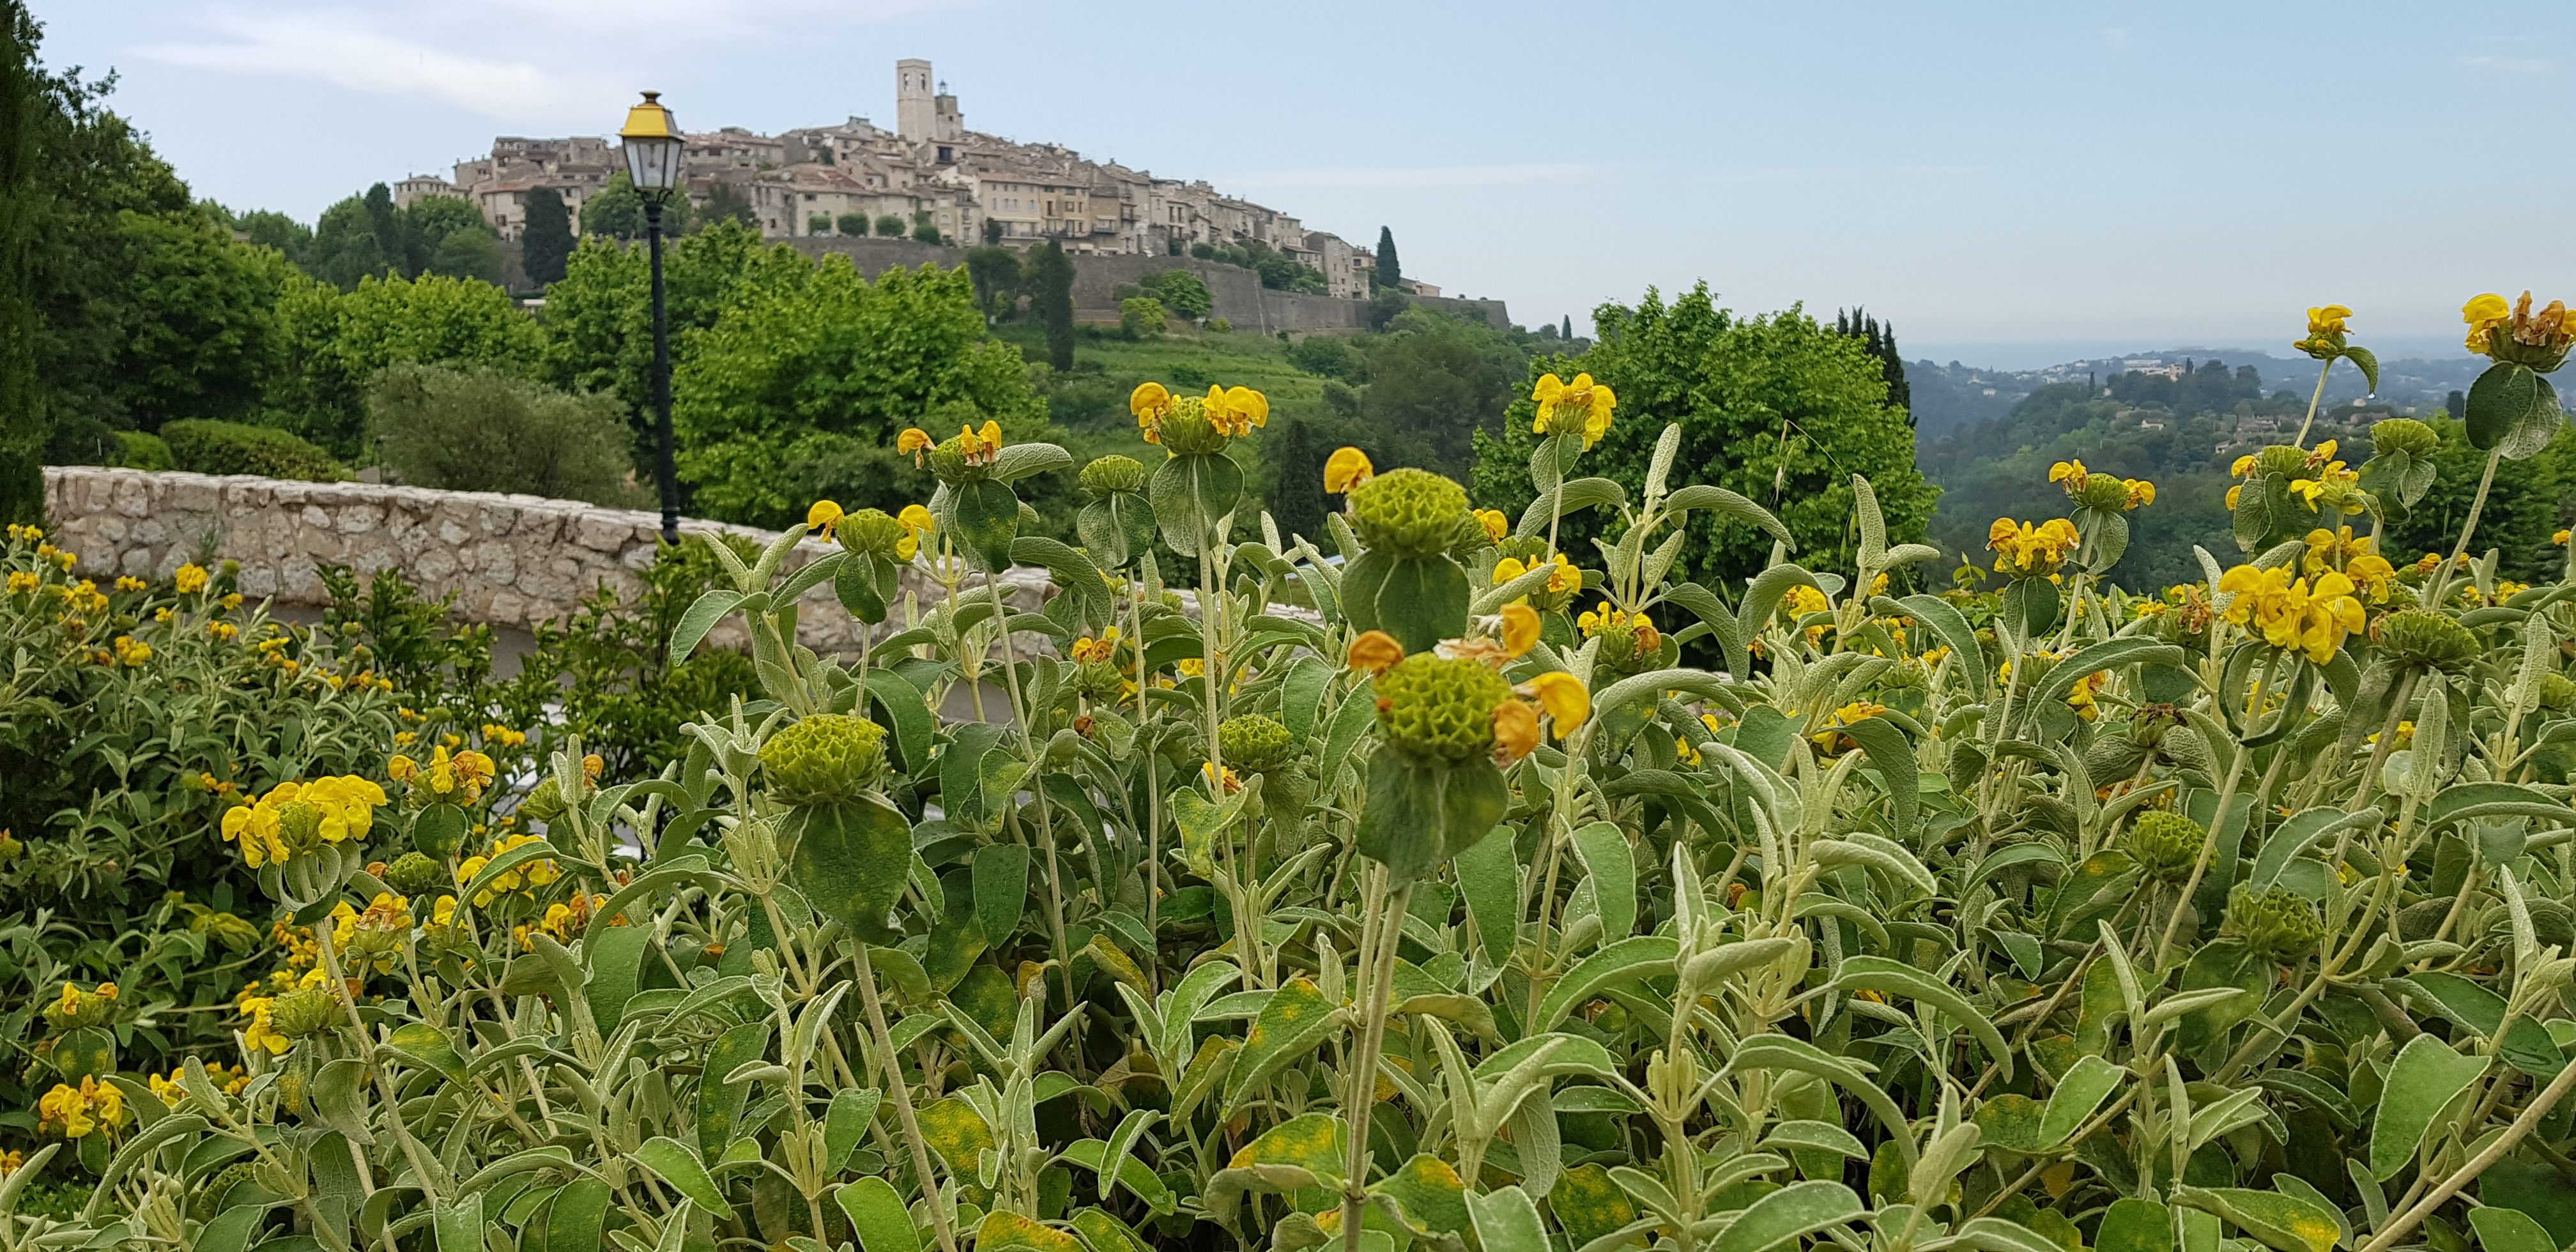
<point>821,518</point>
<point>2069,472</point>
<point>78,1111</point>
<point>131,583</point>
<point>1515,730</point>
<point>2141,492</point>
<point>980,447</point>
<point>1581,405</point>
<point>2327,320</point>
<point>132,652</point>
<point>2559,539</point>
<point>1236,410</point>
<point>1497,527</point>
<point>1148,403</point>
<point>1375,652</point>
<point>21,582</point>
<point>2294,614</point>
<point>1567,703</point>
<point>1345,469</point>
<point>1831,740</point>
<point>2031,550</point>
<point>1803,600</point>
<point>914,442</point>
<point>2484,314</point>
<point>1520,629</point>
<point>2244,465</point>
<point>1101,649</point>
<point>261,1035</point>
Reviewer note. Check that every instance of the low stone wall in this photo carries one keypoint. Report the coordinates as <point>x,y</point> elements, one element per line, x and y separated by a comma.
<point>511,560</point>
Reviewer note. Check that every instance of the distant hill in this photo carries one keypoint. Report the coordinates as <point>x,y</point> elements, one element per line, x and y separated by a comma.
<point>1947,397</point>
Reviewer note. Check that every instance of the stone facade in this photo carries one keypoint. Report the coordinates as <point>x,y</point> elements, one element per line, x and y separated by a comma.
<point>510,560</point>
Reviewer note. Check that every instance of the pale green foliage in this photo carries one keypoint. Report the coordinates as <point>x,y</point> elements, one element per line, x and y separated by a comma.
<point>482,430</point>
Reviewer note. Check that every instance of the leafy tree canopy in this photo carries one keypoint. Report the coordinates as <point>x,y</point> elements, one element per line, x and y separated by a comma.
<point>1774,407</point>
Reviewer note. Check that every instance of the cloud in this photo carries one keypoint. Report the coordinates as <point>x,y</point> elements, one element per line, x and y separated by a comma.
<point>1417,176</point>
<point>2509,65</point>
<point>346,54</point>
<point>563,56</point>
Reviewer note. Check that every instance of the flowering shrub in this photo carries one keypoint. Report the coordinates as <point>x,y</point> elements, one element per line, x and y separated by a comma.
<point>1406,898</point>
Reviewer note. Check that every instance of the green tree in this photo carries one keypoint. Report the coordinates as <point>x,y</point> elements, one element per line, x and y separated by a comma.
<point>345,247</point>
<point>198,311</point>
<point>545,241</point>
<point>618,211</point>
<point>851,224</point>
<point>890,226</point>
<point>23,105</point>
<point>725,202</point>
<point>1389,271</point>
<point>428,222</point>
<point>335,342</point>
<point>486,430</point>
<point>798,390</point>
<point>1439,380</point>
<point>386,221</point>
<point>1294,450</point>
<point>1183,291</point>
<point>1385,305</point>
<point>1050,287</point>
<point>264,228</point>
<point>995,271</point>
<point>1141,317</point>
<point>470,253</point>
<point>925,228</point>
<point>992,231</point>
<point>1774,407</point>
<point>1881,342</point>
<point>818,223</point>
<point>598,321</point>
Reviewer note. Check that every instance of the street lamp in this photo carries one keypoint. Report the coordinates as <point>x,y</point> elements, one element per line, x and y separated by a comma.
<point>652,142</point>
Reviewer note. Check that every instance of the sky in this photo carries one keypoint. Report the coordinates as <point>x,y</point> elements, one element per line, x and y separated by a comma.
<point>2010,185</point>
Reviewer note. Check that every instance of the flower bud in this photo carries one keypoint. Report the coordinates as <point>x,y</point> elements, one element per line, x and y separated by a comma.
<point>2403,434</point>
<point>1187,430</point>
<point>2281,459</point>
<point>300,1014</point>
<point>2278,923</point>
<point>414,874</point>
<point>1254,743</point>
<point>2418,637</point>
<point>824,759</point>
<point>871,532</point>
<point>1410,512</point>
<point>1437,709</point>
<point>1113,475</point>
<point>301,825</point>
<point>2166,845</point>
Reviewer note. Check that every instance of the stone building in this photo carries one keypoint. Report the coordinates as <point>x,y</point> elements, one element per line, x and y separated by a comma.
<point>801,183</point>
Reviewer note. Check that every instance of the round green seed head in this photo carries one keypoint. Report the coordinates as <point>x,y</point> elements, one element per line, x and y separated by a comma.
<point>948,463</point>
<point>414,874</point>
<point>300,1014</point>
<point>2278,923</point>
<point>1409,512</point>
<point>1186,430</point>
<point>1254,743</point>
<point>870,532</point>
<point>2104,492</point>
<point>824,759</point>
<point>2166,845</point>
<point>2556,692</point>
<point>1437,709</point>
<point>2432,640</point>
<point>2283,460</point>
<point>2403,434</point>
<point>1113,475</point>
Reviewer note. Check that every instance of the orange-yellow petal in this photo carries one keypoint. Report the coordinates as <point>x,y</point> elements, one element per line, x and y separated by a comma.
<point>1376,652</point>
<point>1345,469</point>
<point>1520,629</point>
<point>1515,730</point>
<point>1564,698</point>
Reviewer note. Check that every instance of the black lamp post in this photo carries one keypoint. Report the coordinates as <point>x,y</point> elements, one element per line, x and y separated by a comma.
<point>652,142</point>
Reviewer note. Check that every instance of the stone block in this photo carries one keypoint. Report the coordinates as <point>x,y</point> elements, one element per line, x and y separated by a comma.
<point>602,531</point>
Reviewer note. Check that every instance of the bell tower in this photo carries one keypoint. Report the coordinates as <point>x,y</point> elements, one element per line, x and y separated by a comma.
<point>915,117</point>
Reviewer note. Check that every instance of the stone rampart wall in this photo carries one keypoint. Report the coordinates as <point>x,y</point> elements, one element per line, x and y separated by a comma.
<point>511,560</point>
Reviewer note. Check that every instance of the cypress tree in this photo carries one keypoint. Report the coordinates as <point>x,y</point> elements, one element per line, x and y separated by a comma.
<point>1569,326</point>
<point>1881,342</point>
<point>545,244</point>
<point>388,227</point>
<point>23,109</point>
<point>1051,299</point>
<point>1388,273</point>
